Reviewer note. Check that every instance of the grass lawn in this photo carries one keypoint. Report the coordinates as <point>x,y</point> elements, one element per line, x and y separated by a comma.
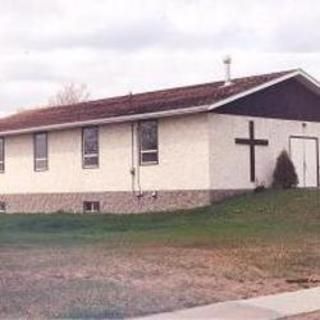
<point>109,266</point>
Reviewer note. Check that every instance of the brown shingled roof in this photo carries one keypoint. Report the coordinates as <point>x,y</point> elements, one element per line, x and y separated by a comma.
<point>141,103</point>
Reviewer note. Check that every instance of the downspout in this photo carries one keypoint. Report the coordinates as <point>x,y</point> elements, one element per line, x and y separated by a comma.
<point>138,162</point>
<point>135,163</point>
<point>132,169</point>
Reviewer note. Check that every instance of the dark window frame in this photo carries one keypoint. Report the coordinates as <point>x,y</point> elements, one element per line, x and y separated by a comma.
<point>2,159</point>
<point>35,159</point>
<point>83,155</point>
<point>141,152</point>
<point>94,206</point>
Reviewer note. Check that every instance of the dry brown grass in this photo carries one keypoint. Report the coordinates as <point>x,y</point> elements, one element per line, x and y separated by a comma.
<point>100,282</point>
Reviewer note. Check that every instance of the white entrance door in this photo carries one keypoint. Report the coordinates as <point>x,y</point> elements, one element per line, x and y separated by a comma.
<point>305,159</point>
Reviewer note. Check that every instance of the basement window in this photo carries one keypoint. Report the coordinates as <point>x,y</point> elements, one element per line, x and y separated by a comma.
<point>1,155</point>
<point>90,147</point>
<point>40,144</point>
<point>91,206</point>
<point>2,207</point>
<point>148,142</point>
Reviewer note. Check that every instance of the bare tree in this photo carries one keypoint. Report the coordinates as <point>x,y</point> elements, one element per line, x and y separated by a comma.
<point>71,93</point>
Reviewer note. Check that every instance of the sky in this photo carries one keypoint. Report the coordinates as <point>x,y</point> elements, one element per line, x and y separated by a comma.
<point>121,46</point>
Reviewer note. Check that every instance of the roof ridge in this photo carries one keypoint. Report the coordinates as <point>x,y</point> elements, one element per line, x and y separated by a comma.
<point>133,95</point>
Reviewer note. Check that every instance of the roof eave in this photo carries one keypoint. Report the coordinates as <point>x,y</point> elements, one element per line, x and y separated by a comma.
<point>110,120</point>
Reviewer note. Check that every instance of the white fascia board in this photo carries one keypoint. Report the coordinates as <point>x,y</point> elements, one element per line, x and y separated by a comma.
<point>127,118</point>
<point>169,113</point>
<point>308,77</point>
<point>261,87</point>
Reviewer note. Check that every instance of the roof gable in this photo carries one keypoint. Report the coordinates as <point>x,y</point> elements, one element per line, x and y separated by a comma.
<point>301,75</point>
<point>287,100</point>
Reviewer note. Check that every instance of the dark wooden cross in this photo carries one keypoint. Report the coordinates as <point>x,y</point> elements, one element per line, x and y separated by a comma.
<point>252,142</point>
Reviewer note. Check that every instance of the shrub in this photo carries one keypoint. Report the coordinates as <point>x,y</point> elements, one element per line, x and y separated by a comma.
<point>284,175</point>
<point>259,188</point>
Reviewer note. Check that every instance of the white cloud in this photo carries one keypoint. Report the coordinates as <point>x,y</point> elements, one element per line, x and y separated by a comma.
<point>135,45</point>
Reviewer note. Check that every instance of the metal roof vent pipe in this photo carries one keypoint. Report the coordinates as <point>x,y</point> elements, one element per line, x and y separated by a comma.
<point>227,67</point>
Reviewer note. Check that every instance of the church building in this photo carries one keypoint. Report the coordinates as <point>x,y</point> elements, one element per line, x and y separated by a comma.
<point>164,150</point>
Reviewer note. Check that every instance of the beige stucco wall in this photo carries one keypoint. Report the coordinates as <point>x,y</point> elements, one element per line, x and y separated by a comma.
<point>229,163</point>
<point>196,152</point>
<point>183,156</point>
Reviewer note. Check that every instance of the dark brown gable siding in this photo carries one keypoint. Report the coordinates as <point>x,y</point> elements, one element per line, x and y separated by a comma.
<point>287,100</point>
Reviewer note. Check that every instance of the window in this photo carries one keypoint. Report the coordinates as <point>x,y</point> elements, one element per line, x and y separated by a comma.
<point>1,154</point>
<point>91,206</point>
<point>90,147</point>
<point>148,142</point>
<point>2,207</point>
<point>40,151</point>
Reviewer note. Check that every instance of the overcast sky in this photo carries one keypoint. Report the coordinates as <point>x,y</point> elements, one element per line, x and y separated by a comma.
<point>119,46</point>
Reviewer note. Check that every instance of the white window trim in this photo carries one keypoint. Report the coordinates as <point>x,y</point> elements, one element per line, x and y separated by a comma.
<point>92,154</point>
<point>46,159</point>
<point>37,160</point>
<point>149,151</point>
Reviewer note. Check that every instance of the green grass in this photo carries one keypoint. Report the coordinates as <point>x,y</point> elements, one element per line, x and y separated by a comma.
<point>262,217</point>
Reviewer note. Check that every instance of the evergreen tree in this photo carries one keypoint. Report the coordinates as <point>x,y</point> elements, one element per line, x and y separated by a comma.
<point>284,175</point>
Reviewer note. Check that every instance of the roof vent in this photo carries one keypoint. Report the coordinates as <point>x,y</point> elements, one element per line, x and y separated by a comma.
<point>227,66</point>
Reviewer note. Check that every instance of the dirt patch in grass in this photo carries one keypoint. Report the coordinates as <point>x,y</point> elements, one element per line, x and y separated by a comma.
<point>99,282</point>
